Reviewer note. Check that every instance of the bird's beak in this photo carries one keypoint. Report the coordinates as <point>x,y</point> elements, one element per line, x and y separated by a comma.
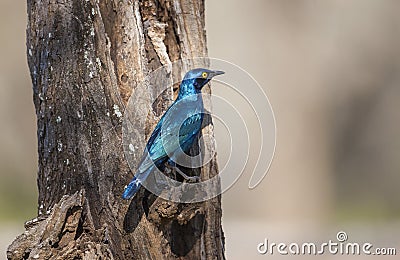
<point>216,73</point>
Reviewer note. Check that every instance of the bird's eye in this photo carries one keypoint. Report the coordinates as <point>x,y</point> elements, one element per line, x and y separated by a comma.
<point>204,75</point>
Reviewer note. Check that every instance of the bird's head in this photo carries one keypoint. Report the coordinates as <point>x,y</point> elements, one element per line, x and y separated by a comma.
<point>199,77</point>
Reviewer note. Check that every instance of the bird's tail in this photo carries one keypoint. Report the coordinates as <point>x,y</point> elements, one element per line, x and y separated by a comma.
<point>135,183</point>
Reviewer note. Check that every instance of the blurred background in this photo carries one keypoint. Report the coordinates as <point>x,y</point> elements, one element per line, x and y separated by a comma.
<point>331,70</point>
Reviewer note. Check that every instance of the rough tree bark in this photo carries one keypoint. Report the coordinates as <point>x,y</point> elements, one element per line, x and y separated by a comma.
<point>86,57</point>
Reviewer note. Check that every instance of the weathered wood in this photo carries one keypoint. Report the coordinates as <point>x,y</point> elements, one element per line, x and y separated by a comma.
<point>86,58</point>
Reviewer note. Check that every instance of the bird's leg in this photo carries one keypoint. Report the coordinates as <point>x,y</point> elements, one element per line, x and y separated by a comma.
<point>170,168</point>
<point>185,176</point>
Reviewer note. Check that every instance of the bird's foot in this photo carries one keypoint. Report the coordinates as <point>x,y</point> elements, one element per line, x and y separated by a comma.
<point>171,168</point>
<point>186,177</point>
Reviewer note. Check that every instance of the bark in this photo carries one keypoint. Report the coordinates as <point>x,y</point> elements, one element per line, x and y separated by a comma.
<point>85,59</point>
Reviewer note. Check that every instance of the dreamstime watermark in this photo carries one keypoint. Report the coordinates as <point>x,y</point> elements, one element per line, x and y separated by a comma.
<point>237,103</point>
<point>341,246</point>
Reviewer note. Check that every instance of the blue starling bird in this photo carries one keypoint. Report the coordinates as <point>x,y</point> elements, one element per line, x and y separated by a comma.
<point>176,131</point>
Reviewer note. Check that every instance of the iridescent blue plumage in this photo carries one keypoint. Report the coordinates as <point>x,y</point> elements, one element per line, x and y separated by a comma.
<point>177,129</point>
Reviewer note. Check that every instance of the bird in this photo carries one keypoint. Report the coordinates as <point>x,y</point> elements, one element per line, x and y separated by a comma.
<point>176,131</point>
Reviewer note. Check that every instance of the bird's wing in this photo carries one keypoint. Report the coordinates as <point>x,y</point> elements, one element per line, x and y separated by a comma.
<point>169,134</point>
<point>153,151</point>
<point>191,125</point>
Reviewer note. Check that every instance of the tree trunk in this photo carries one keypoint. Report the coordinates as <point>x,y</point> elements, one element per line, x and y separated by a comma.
<point>86,58</point>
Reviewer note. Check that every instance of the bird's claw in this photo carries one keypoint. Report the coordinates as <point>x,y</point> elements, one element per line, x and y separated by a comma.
<point>192,179</point>
<point>171,168</point>
<point>187,177</point>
